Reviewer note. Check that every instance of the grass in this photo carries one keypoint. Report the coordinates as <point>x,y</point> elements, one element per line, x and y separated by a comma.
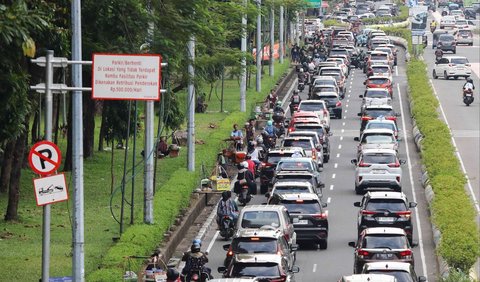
<point>20,241</point>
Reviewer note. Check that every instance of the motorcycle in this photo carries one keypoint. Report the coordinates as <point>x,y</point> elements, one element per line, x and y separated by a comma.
<point>293,108</point>
<point>467,96</point>
<point>226,227</point>
<point>301,86</point>
<point>196,275</point>
<point>268,141</point>
<point>244,196</point>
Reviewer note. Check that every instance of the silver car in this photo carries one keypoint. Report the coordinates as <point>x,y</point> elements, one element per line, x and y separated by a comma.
<point>377,168</point>
<point>378,138</point>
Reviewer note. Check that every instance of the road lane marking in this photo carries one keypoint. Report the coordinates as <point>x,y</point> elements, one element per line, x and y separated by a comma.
<point>343,130</point>
<point>346,111</point>
<point>417,217</point>
<point>344,117</point>
<point>289,91</point>
<point>338,155</point>
<point>333,176</point>
<point>475,67</point>
<point>328,202</point>
<point>469,184</point>
<point>348,96</point>
<point>343,124</point>
<point>213,241</point>
<point>341,138</point>
<point>335,165</point>
<point>314,267</point>
<point>396,70</point>
<point>340,146</point>
<point>331,187</point>
<point>348,100</point>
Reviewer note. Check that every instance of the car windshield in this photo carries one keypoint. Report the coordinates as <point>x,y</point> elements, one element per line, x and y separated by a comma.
<point>317,129</point>
<point>463,32</point>
<point>446,37</point>
<point>290,188</point>
<point>274,158</point>
<point>305,134</point>
<point>338,52</point>
<point>337,75</point>
<point>323,89</point>
<point>325,82</point>
<point>379,158</point>
<point>311,107</point>
<point>268,269</point>
<point>302,206</point>
<point>377,139</point>
<point>257,219</point>
<point>384,241</point>
<point>380,69</point>
<point>461,22</point>
<point>380,125</point>
<point>329,99</point>
<point>292,165</point>
<point>386,204</point>
<point>255,245</point>
<point>460,61</point>
<point>377,113</point>
<point>377,80</point>
<point>401,276</point>
<point>371,93</point>
<point>330,72</point>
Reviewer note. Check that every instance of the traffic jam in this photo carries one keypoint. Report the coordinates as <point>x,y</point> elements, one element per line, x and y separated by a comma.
<point>282,190</point>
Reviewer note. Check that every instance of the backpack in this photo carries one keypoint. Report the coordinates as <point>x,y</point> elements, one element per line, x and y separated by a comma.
<point>195,263</point>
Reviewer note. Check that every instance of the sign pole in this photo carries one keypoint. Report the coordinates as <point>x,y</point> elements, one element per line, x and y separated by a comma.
<point>243,46</point>
<point>272,41</point>
<point>259,47</point>
<point>280,35</point>
<point>48,137</point>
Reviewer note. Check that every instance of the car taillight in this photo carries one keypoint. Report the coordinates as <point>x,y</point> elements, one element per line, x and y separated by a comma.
<point>314,154</point>
<point>404,214</point>
<point>338,104</point>
<point>325,113</point>
<point>391,118</point>
<point>407,254</point>
<point>282,278</point>
<point>287,237</point>
<point>363,253</point>
<point>468,65</point>
<point>452,65</point>
<point>366,118</point>
<point>396,164</point>
<point>320,216</point>
<point>362,164</point>
<point>230,252</point>
<point>194,277</point>
<point>291,129</point>
<point>368,213</point>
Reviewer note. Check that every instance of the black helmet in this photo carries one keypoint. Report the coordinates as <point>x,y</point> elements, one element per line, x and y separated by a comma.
<point>469,80</point>
<point>295,92</point>
<point>195,248</point>
<point>172,274</point>
<point>225,195</point>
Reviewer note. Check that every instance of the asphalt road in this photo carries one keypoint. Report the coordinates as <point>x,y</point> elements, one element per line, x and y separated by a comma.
<point>464,122</point>
<point>337,260</point>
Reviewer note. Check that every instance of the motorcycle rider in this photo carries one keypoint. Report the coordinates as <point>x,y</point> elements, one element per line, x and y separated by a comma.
<point>245,176</point>
<point>294,100</point>
<point>270,131</point>
<point>195,260</point>
<point>433,26</point>
<point>228,207</point>
<point>438,54</point>
<point>301,76</point>
<point>271,99</point>
<point>468,85</point>
<point>278,108</point>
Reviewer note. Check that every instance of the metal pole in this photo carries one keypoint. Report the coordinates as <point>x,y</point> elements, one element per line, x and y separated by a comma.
<point>272,40</point>
<point>132,202</point>
<point>223,89</point>
<point>122,206</point>
<point>243,79</point>
<point>148,180</point>
<point>48,137</point>
<point>303,27</point>
<point>259,47</point>
<point>280,35</point>
<point>77,148</point>
<point>191,106</point>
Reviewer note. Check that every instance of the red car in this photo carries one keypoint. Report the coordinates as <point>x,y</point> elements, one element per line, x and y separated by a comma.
<point>379,82</point>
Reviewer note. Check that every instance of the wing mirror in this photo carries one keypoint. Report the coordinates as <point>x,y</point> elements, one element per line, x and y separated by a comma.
<point>356,204</point>
<point>354,161</point>
<point>364,83</point>
<point>294,247</point>
<point>226,247</point>
<point>351,244</point>
<point>360,96</point>
<point>402,162</point>
<point>221,269</point>
<point>295,269</point>
<point>356,139</point>
<point>324,205</point>
<point>267,195</point>
<point>359,114</point>
<point>412,204</point>
<point>397,114</point>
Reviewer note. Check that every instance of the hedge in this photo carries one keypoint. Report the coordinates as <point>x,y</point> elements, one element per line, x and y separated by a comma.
<point>172,197</point>
<point>452,210</point>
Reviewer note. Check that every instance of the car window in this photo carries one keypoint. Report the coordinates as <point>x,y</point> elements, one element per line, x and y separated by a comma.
<point>311,107</point>
<point>377,113</point>
<point>465,32</point>
<point>292,189</point>
<point>329,88</point>
<point>384,241</point>
<point>305,144</point>
<point>401,276</point>
<point>461,61</point>
<point>376,93</point>
<point>380,125</point>
<point>314,138</point>
<point>254,245</point>
<point>317,129</point>
<point>378,80</point>
<point>379,158</point>
<point>257,219</point>
<point>255,269</point>
<point>292,165</point>
<point>386,204</point>
<point>302,206</point>
<point>379,56</point>
<point>443,61</point>
<point>377,139</point>
<point>274,158</point>
<point>446,37</point>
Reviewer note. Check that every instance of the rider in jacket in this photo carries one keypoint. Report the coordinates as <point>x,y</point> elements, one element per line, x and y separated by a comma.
<point>195,260</point>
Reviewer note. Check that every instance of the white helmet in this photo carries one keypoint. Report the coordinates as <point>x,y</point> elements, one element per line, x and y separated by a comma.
<point>301,69</point>
<point>244,164</point>
<point>259,139</point>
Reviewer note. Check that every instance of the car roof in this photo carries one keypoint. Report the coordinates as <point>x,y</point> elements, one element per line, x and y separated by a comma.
<point>454,57</point>
<point>379,151</point>
<point>324,77</point>
<point>304,113</point>
<point>384,230</point>
<point>293,172</point>
<point>377,77</point>
<point>233,280</point>
<point>262,208</point>
<point>368,277</point>
<point>298,138</point>
<point>326,94</point>
<point>292,183</point>
<point>312,102</point>
<point>377,130</point>
<point>258,258</point>
<point>313,125</point>
<point>380,66</point>
<point>258,232</point>
<point>377,89</point>
<point>331,68</point>
<point>380,107</point>
<point>390,265</point>
<point>381,120</point>
<point>385,195</point>
<point>302,159</point>
<point>299,196</point>
<point>285,150</point>
<point>301,132</point>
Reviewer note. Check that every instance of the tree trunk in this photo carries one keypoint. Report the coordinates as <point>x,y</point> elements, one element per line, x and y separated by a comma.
<point>103,128</point>
<point>7,167</point>
<point>68,155</point>
<point>14,189</point>
<point>89,126</point>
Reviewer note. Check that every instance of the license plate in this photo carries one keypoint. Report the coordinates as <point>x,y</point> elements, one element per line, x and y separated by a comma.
<point>300,221</point>
<point>378,171</point>
<point>385,219</point>
<point>384,256</point>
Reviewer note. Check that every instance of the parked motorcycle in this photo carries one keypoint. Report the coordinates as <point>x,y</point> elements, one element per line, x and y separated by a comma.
<point>468,96</point>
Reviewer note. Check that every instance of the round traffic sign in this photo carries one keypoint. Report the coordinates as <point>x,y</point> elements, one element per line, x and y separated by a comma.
<point>44,157</point>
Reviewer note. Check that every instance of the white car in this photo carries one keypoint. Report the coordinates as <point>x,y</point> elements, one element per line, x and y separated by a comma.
<point>375,96</point>
<point>378,138</point>
<point>381,70</point>
<point>457,13</point>
<point>318,107</point>
<point>382,123</point>
<point>367,16</point>
<point>341,64</point>
<point>461,23</point>
<point>452,66</point>
<point>447,21</point>
<point>465,36</point>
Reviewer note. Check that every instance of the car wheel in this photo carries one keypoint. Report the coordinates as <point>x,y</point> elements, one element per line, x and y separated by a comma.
<point>455,51</point>
<point>445,76</point>
<point>263,189</point>
<point>359,191</point>
<point>471,44</point>
<point>323,244</point>
<point>456,77</point>
<point>434,74</point>
<point>340,115</point>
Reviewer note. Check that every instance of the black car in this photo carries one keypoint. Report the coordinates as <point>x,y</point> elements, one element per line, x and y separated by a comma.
<point>334,105</point>
<point>470,14</point>
<point>375,111</point>
<point>309,219</point>
<point>322,134</point>
<point>389,209</point>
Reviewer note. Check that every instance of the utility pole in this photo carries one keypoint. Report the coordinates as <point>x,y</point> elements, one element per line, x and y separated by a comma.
<point>191,106</point>
<point>259,47</point>
<point>272,40</point>
<point>77,148</point>
<point>243,79</point>
<point>280,35</point>
<point>297,32</point>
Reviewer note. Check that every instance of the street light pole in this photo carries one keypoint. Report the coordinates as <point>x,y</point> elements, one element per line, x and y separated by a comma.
<point>191,106</point>
<point>243,79</point>
<point>280,35</point>
<point>272,40</point>
<point>259,47</point>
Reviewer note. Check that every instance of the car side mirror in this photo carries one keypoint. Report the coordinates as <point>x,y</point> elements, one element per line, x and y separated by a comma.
<point>352,244</point>
<point>330,134</point>
<point>295,269</point>
<point>412,204</point>
<point>356,139</point>
<point>359,114</point>
<point>360,96</point>
<point>226,247</point>
<point>397,114</point>
<point>324,205</point>
<point>399,139</point>
<point>414,244</point>
<point>221,269</point>
<point>422,279</point>
<point>403,162</point>
<point>321,185</point>
<point>364,83</point>
<point>354,161</point>
<point>293,247</point>
<point>267,195</point>
<point>356,204</point>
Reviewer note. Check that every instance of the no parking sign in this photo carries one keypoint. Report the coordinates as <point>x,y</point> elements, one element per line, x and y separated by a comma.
<point>44,158</point>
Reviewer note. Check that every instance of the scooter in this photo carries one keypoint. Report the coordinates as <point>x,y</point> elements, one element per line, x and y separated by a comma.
<point>196,275</point>
<point>244,196</point>
<point>467,96</point>
<point>226,227</point>
<point>301,86</point>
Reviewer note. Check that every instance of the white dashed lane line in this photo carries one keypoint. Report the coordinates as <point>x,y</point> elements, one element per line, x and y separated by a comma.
<point>340,146</point>
<point>331,187</point>
<point>338,155</point>
<point>333,176</point>
<point>335,165</point>
<point>341,138</point>
<point>329,200</point>
<point>343,130</point>
<point>343,124</point>
<point>314,267</point>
